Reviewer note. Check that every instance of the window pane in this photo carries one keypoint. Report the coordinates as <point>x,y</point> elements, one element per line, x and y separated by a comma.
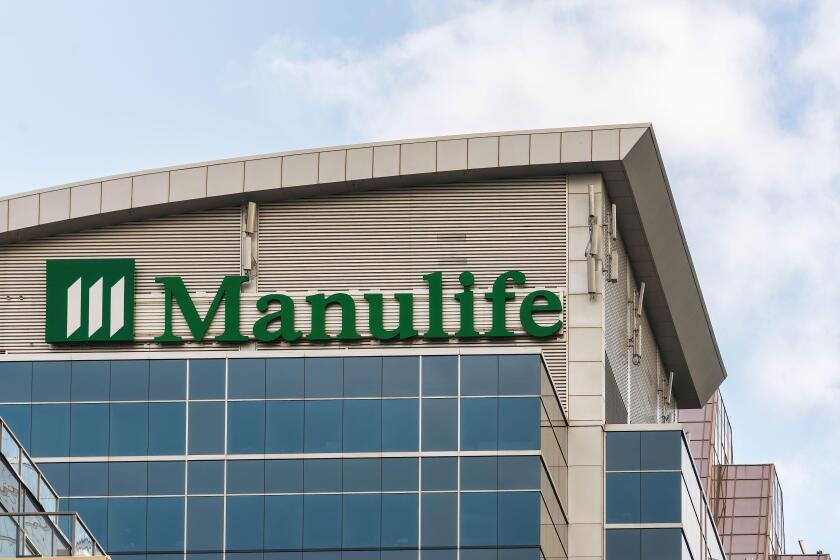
<point>283,522</point>
<point>399,520</point>
<point>284,475</point>
<point>362,425</point>
<point>204,523</point>
<point>439,519</point>
<point>166,477</point>
<point>361,475</point>
<point>127,478</point>
<point>51,381</point>
<point>400,423</point>
<point>363,377</point>
<point>165,531</point>
<point>399,473</point>
<point>245,523</point>
<point>478,519</point>
<point>129,429</point>
<point>661,451</point>
<point>167,428</point>
<point>661,497</point>
<point>127,525</point>
<point>284,427</point>
<point>440,473</point>
<point>623,498</point>
<point>624,544</point>
<point>519,423</point>
<point>623,451</point>
<point>478,473</point>
<point>89,430</point>
<point>245,477</point>
<point>246,378</point>
<point>479,375</point>
<point>284,378</point>
<point>50,430</point>
<point>89,479</point>
<point>206,477</point>
<point>321,521</point>
<point>519,518</point>
<point>479,424</point>
<point>661,544</point>
<point>16,380</point>
<point>519,375</point>
<point>207,379</point>
<point>207,428</point>
<point>90,380</point>
<point>322,426</point>
<point>400,376</point>
<point>519,473</point>
<point>94,512</point>
<point>167,380</point>
<point>322,475</point>
<point>440,376</point>
<point>129,380</point>
<point>440,424</point>
<point>246,427</point>
<point>323,377</point>
<point>19,419</point>
<point>59,476</point>
<point>361,521</point>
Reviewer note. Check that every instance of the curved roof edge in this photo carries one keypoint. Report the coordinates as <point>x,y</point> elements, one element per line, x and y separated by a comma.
<point>627,157</point>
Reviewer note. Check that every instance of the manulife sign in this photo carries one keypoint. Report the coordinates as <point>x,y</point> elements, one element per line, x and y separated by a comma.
<point>92,300</point>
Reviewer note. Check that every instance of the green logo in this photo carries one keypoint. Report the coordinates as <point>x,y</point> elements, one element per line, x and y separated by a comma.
<point>90,300</point>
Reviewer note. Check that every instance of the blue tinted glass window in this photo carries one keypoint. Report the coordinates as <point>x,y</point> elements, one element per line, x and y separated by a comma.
<point>207,428</point>
<point>94,512</point>
<point>127,525</point>
<point>129,432</point>
<point>519,423</point>
<point>283,522</point>
<point>362,425</point>
<point>363,377</point>
<point>623,451</point>
<point>623,497</point>
<point>361,475</point>
<point>89,479</point>
<point>661,451</point>
<point>50,430</point>
<point>440,424</point>
<point>16,380</point>
<point>91,380</point>
<point>479,375</point>
<point>88,430</point>
<point>400,423</point>
<point>399,520</point>
<point>400,376</point>
<point>479,473</point>
<point>245,522</point>
<point>661,544</point>
<point>624,544</point>
<point>322,426</point>
<point>51,381</point>
<point>207,379</point>
<point>519,518</point>
<point>19,419</point>
<point>246,427</point>
<point>321,521</point>
<point>322,475</point>
<point>479,424</point>
<point>167,428</point>
<point>519,375</point>
<point>206,477</point>
<point>361,521</point>
<point>165,531</point>
<point>204,523</point>
<point>284,427</point>
<point>284,475</point>
<point>439,519</point>
<point>440,376</point>
<point>166,477</point>
<point>127,478</point>
<point>323,377</point>
<point>440,473</point>
<point>661,497</point>
<point>59,476</point>
<point>400,473</point>
<point>245,477</point>
<point>246,378</point>
<point>129,380</point>
<point>284,378</point>
<point>519,473</point>
<point>167,380</point>
<point>478,519</point>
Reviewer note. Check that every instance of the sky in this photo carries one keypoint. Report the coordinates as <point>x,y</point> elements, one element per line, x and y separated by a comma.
<point>744,98</point>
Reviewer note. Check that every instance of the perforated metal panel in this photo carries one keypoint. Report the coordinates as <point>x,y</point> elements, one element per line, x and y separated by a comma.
<point>643,383</point>
<point>617,329</point>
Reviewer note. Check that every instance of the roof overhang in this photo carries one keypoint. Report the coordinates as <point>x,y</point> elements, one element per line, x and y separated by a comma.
<point>627,156</point>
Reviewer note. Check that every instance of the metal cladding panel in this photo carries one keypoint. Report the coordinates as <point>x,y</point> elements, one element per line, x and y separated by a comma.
<point>617,322</point>
<point>201,247</point>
